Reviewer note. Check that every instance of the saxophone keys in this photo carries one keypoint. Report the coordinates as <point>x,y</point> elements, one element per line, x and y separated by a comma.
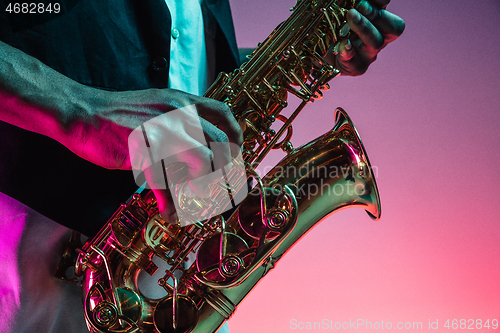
<point>325,87</point>
<point>231,266</point>
<point>317,95</point>
<point>209,262</point>
<point>105,314</point>
<point>164,313</point>
<point>276,220</point>
<point>286,146</point>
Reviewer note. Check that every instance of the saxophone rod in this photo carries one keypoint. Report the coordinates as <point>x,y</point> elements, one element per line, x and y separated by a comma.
<point>280,133</point>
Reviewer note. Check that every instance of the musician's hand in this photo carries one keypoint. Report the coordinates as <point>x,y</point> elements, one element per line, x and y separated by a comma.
<point>373,28</point>
<point>102,138</point>
<point>96,124</point>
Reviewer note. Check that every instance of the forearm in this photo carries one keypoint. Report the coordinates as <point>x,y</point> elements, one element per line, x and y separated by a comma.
<point>37,98</point>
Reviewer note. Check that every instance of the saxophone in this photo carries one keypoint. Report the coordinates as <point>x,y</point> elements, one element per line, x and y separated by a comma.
<point>233,255</point>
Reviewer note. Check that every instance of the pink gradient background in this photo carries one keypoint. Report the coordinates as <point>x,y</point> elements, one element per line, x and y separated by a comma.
<point>427,111</point>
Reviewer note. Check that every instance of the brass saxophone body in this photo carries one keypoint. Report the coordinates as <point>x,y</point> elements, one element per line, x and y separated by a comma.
<point>327,174</point>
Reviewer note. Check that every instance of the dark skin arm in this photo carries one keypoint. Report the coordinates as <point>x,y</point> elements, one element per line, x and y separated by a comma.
<point>95,124</point>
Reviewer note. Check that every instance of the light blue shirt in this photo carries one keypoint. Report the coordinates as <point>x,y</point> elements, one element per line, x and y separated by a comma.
<point>189,65</point>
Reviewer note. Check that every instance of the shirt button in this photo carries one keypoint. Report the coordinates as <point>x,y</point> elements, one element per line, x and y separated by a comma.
<point>175,33</point>
<point>159,64</point>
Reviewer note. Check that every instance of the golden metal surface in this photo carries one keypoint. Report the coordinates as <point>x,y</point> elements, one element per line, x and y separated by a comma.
<point>323,176</point>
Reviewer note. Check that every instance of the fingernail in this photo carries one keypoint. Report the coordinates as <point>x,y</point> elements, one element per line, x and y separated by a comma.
<point>348,45</point>
<point>365,8</point>
<point>206,191</point>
